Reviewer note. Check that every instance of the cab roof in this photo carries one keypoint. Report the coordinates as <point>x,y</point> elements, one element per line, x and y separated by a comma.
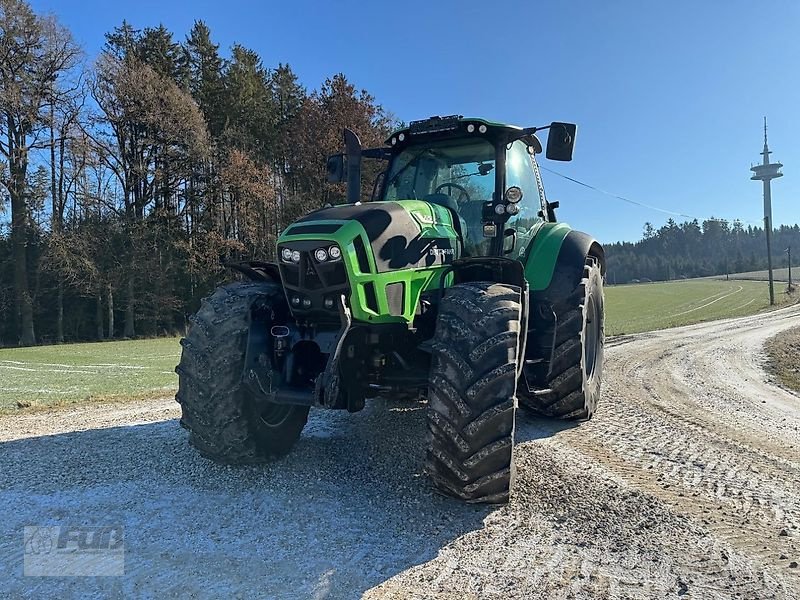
<point>438,126</point>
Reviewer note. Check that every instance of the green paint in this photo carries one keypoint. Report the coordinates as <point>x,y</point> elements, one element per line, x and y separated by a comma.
<point>541,260</point>
<point>435,222</point>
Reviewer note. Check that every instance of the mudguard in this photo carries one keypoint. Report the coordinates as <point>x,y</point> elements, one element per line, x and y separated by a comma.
<point>555,259</point>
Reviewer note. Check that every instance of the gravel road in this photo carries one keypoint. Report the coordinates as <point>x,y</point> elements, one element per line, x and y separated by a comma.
<point>685,484</point>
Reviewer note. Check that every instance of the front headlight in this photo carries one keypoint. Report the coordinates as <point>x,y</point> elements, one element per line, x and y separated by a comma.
<point>513,194</point>
<point>335,252</point>
<point>286,255</point>
<point>321,254</point>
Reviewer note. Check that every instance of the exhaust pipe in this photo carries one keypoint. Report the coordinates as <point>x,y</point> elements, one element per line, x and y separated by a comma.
<point>352,147</point>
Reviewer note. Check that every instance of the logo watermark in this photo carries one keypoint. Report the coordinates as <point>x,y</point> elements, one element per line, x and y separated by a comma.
<point>74,550</point>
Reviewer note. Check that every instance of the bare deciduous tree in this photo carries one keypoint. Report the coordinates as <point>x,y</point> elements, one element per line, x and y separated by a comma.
<point>35,52</point>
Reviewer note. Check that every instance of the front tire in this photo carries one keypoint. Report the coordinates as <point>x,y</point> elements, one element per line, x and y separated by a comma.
<point>575,371</point>
<point>472,386</point>
<point>224,422</point>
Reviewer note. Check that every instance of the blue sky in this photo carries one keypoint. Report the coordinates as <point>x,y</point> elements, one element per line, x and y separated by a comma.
<point>668,96</point>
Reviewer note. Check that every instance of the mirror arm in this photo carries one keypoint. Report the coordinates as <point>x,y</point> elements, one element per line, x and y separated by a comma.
<point>379,153</point>
<point>530,131</point>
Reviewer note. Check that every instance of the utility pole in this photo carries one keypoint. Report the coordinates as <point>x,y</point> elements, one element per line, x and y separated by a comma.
<point>789,254</point>
<point>766,172</point>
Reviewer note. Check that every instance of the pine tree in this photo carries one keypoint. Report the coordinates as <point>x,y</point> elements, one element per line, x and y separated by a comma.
<point>205,68</point>
<point>248,105</point>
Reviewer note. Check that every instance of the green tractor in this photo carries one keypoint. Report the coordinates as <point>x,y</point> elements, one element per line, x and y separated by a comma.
<point>455,284</point>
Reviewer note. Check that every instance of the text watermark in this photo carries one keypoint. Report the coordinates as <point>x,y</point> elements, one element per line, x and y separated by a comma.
<point>74,550</point>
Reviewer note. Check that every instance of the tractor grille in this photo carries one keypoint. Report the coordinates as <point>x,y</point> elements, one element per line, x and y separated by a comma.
<point>313,282</point>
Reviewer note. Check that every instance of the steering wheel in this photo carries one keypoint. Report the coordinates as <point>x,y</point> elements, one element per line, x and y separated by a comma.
<point>463,196</point>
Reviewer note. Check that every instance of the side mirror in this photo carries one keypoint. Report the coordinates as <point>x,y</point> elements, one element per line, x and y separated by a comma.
<point>509,233</point>
<point>561,141</point>
<point>335,168</point>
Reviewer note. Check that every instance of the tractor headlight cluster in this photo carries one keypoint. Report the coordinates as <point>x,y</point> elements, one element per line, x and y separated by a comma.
<point>330,253</point>
<point>288,255</point>
<point>298,301</point>
<point>472,128</point>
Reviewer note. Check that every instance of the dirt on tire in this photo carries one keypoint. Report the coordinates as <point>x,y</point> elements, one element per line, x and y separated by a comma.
<point>686,483</point>
<point>471,401</point>
<point>575,365</point>
<point>225,423</point>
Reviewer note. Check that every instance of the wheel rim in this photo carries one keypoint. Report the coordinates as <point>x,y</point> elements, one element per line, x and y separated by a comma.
<point>275,414</point>
<point>592,338</point>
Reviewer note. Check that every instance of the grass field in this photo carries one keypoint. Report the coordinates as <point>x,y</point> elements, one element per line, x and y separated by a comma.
<point>107,371</point>
<point>645,307</point>
<point>125,370</point>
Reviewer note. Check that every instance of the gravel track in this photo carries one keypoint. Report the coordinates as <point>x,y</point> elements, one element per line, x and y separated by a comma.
<point>685,484</point>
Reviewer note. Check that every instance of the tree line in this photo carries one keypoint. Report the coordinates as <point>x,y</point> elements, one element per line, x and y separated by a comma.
<point>132,178</point>
<point>694,249</point>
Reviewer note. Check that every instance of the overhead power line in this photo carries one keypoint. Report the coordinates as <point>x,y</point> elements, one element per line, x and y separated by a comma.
<point>642,204</point>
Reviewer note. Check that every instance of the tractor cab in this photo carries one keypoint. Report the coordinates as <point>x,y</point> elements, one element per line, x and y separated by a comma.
<point>484,172</point>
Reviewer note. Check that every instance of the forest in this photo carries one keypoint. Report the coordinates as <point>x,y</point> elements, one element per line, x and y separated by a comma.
<point>133,176</point>
<point>693,249</point>
<point>128,179</point>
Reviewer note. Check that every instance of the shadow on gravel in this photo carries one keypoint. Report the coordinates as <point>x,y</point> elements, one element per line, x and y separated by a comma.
<point>530,427</point>
<point>346,510</point>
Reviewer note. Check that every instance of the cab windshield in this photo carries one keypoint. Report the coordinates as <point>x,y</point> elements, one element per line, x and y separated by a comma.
<point>458,174</point>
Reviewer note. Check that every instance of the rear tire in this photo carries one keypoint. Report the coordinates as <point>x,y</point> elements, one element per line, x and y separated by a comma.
<point>574,374</point>
<point>472,386</point>
<point>224,422</point>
